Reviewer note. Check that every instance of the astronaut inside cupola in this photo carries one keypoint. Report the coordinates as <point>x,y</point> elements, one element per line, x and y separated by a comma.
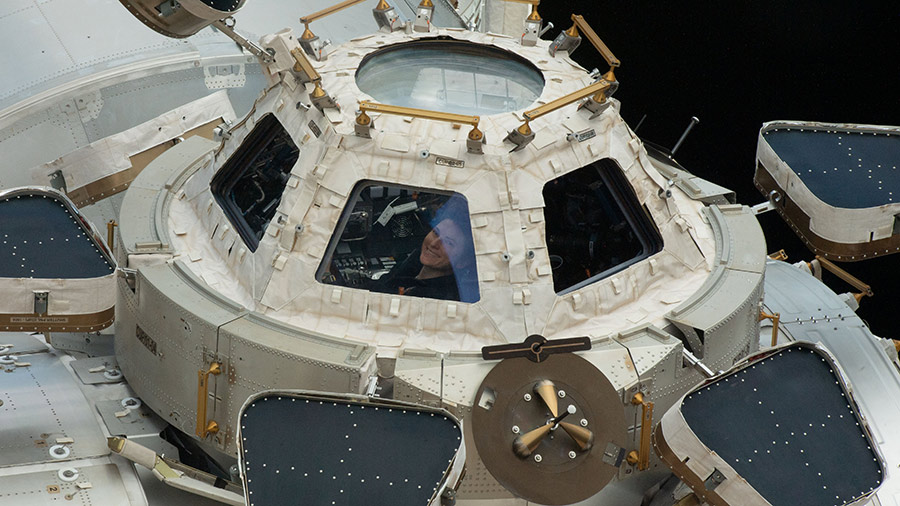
<point>405,241</point>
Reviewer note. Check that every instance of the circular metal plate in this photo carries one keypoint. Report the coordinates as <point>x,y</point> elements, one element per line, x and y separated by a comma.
<point>555,477</point>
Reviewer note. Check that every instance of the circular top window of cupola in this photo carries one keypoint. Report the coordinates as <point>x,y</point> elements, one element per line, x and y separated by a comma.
<point>449,75</point>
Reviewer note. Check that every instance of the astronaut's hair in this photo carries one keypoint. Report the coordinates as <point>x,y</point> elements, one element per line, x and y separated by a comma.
<point>455,209</point>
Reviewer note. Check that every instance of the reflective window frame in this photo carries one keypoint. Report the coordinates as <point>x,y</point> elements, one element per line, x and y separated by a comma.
<point>474,79</point>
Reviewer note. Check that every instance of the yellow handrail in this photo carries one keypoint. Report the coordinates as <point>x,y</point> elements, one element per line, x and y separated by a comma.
<point>367,106</point>
<point>642,457</point>
<point>204,427</point>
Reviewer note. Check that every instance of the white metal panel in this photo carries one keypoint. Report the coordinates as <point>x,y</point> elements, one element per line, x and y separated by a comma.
<point>42,402</point>
<point>96,31</point>
<point>8,7</point>
<point>31,48</point>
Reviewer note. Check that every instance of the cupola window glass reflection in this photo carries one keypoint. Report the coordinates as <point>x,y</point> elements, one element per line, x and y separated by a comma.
<point>403,241</point>
<point>450,76</point>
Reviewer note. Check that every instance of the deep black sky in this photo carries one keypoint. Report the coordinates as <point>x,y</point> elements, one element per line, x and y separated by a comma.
<point>737,64</point>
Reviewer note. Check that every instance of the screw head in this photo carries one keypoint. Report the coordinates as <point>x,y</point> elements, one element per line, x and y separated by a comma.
<point>527,397</point>
<point>572,454</point>
<point>537,457</point>
<point>584,422</point>
<point>515,429</point>
<point>562,394</point>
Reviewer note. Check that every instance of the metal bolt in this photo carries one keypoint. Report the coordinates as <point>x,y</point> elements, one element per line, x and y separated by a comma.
<point>537,457</point>
<point>572,454</point>
<point>515,429</point>
<point>584,422</point>
<point>562,394</point>
<point>527,397</point>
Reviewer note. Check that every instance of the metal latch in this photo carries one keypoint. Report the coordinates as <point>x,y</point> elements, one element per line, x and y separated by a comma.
<point>41,301</point>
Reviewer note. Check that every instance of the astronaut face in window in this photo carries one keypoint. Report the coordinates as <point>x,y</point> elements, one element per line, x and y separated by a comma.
<point>442,248</point>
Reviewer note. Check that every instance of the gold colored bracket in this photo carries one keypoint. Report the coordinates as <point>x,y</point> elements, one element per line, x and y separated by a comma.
<point>110,233</point>
<point>303,65</point>
<point>850,279</point>
<point>203,427</point>
<point>779,255</point>
<point>547,391</point>
<point>305,71</point>
<point>642,457</point>
<point>364,122</point>
<point>776,318</point>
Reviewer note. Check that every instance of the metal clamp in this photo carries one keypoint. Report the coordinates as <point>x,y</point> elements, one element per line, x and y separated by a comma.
<point>533,23</point>
<point>203,427</point>
<point>642,457</point>
<point>424,15</point>
<point>386,17</point>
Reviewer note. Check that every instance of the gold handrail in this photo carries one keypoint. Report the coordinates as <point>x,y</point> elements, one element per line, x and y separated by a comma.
<point>595,40</point>
<point>593,89</point>
<point>367,105</point>
<point>110,234</point>
<point>204,427</point>
<point>364,120</point>
<point>865,290</point>
<point>306,20</point>
<point>776,319</point>
<point>642,457</point>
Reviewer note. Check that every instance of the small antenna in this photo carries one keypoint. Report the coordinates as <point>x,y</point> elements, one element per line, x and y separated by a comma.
<point>641,122</point>
<point>684,135</point>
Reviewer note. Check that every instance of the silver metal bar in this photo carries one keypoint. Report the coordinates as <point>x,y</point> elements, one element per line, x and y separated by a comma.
<point>687,130</point>
<point>244,42</point>
<point>697,364</point>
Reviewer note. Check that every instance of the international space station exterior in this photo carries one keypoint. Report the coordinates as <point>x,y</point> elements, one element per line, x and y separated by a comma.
<point>425,263</point>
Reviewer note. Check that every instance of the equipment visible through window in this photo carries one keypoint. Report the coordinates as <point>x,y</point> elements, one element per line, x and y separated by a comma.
<point>595,226</point>
<point>249,186</point>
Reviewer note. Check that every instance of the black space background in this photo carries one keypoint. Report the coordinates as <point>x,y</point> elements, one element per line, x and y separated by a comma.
<point>737,64</point>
